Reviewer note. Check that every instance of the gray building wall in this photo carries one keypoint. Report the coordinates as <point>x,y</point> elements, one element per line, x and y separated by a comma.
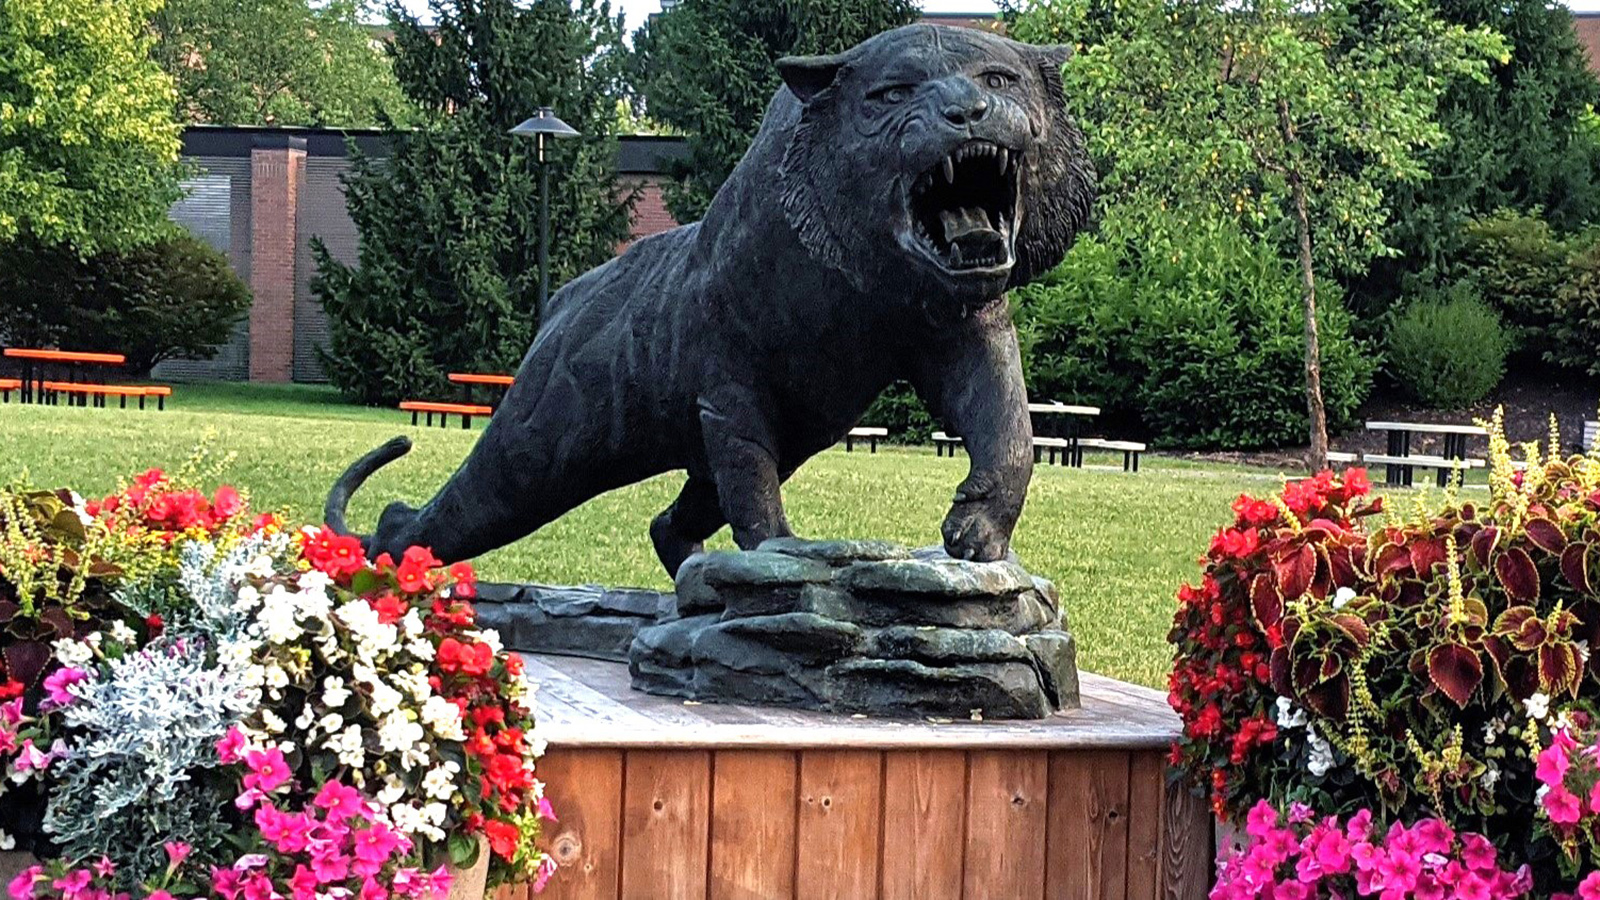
<point>223,221</point>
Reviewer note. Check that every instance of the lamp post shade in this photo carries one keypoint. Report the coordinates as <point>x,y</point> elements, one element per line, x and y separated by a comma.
<point>543,126</point>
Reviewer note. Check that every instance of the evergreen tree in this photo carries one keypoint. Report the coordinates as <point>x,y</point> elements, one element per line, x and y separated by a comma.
<point>448,275</point>
<point>706,70</point>
<point>1522,140</point>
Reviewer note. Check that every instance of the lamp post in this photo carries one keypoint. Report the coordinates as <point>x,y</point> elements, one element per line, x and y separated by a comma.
<point>543,127</point>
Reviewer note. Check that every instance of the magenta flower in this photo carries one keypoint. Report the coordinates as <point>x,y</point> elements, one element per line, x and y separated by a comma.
<point>11,713</point>
<point>231,748</point>
<point>546,811</point>
<point>1261,819</point>
<point>340,800</point>
<point>56,684</point>
<point>31,758</point>
<point>1589,888</point>
<point>1554,761</point>
<point>21,887</point>
<point>268,770</point>
<point>1562,806</point>
<point>177,852</point>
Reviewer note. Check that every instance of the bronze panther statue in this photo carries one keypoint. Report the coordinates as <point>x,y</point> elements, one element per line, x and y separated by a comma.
<point>894,193</point>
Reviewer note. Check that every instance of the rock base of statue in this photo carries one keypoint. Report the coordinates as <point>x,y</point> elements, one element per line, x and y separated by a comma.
<point>847,626</point>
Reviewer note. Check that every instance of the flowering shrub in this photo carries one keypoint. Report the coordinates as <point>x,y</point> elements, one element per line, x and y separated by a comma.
<point>250,712</point>
<point>1408,666</point>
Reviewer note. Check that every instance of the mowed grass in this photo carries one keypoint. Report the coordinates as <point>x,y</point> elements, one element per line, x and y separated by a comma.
<point>1117,545</point>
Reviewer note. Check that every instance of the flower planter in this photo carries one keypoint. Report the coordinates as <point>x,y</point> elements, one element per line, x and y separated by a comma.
<point>12,862</point>
<point>470,883</point>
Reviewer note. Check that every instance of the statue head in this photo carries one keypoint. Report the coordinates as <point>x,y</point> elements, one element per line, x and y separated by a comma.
<point>936,158</point>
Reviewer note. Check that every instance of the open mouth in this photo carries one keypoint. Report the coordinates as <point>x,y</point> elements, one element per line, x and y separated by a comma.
<point>964,210</point>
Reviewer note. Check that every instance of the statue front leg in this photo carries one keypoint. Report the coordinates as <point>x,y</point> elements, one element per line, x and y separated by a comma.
<point>972,380</point>
<point>743,457</point>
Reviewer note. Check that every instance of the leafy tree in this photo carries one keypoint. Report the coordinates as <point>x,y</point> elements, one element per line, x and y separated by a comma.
<point>173,297</point>
<point>1281,114</point>
<point>88,147</point>
<point>282,62</point>
<point>705,68</point>
<point>448,274</point>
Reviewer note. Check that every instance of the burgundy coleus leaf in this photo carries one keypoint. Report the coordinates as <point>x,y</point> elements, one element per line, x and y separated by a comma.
<point>1575,566</point>
<point>1456,670</point>
<point>1517,574</point>
<point>1483,545</point>
<point>26,661</point>
<point>1282,684</point>
<point>1341,567</point>
<point>1355,627</point>
<point>1265,602</point>
<point>1546,535</point>
<point>1295,569</point>
<point>1520,625</point>
<point>58,622</point>
<point>1330,699</point>
<point>1560,668</point>
<point>1391,558</point>
<point>1426,556</point>
<point>8,611</point>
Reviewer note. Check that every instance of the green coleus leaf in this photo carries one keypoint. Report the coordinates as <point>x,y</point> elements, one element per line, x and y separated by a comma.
<point>1456,670</point>
<point>1517,574</point>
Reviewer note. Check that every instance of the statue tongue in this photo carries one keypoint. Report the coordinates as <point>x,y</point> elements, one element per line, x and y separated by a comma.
<point>960,223</point>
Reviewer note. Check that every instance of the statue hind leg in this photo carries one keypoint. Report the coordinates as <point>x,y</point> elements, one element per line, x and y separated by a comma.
<point>681,530</point>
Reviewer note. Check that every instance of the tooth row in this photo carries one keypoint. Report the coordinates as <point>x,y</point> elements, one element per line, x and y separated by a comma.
<point>1001,156</point>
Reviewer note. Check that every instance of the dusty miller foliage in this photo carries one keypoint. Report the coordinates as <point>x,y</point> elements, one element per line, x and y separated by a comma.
<point>144,756</point>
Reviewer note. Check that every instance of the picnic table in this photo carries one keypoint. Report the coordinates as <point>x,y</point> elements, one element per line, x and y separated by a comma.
<point>1399,461</point>
<point>468,379</point>
<point>1063,430</point>
<point>73,361</point>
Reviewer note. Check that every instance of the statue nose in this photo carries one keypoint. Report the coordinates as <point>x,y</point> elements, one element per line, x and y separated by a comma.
<point>968,113</point>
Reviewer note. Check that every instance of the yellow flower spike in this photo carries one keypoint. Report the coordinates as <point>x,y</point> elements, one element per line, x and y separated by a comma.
<point>1458,600</point>
<point>1286,512</point>
<point>1555,438</point>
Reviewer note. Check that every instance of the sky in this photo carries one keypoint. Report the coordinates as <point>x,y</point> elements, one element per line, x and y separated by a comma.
<point>637,10</point>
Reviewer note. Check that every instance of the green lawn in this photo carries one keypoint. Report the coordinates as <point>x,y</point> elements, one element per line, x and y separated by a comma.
<point>1116,544</point>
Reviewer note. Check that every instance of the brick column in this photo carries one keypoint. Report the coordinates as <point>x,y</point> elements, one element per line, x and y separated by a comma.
<point>277,169</point>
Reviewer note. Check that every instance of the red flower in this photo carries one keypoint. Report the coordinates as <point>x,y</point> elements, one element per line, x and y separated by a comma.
<point>227,503</point>
<point>413,578</point>
<point>504,837</point>
<point>390,609</point>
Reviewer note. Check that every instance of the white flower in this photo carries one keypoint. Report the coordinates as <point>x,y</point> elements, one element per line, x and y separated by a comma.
<point>334,693</point>
<point>1321,758</point>
<point>313,580</point>
<point>385,699</point>
<point>272,723</point>
<point>122,634</point>
<point>393,790</point>
<point>440,782</point>
<point>261,566</point>
<point>1288,715</point>
<point>444,718</point>
<point>276,677</point>
<point>306,719</point>
<point>407,819</point>
<point>278,617</point>
<point>7,842</point>
<point>331,723</point>
<point>399,733</point>
<point>436,812</point>
<point>73,653</point>
<point>1538,705</point>
<point>1538,796</point>
<point>421,648</point>
<point>1343,596</point>
<point>246,599</point>
<point>349,746</point>
<point>1490,777</point>
<point>488,636</point>
<point>411,624</point>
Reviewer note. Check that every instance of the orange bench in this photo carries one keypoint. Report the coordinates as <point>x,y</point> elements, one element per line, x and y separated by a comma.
<point>445,410</point>
<point>7,385</point>
<point>468,379</point>
<point>81,393</point>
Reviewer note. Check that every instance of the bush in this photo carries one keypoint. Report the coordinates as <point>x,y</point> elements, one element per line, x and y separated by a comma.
<point>1576,331</point>
<point>1449,351</point>
<point>1517,263</point>
<point>1201,341</point>
<point>1391,667</point>
<point>177,297</point>
<point>900,410</point>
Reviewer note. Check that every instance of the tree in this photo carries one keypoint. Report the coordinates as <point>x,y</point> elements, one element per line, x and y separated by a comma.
<point>173,297</point>
<point>705,68</point>
<point>448,275</point>
<point>1291,117</point>
<point>280,62</point>
<point>88,146</point>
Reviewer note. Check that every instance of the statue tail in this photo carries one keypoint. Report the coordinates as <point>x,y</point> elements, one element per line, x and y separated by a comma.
<point>352,479</point>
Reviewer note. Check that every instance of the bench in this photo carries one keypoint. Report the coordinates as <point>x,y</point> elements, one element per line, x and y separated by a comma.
<point>81,394</point>
<point>7,385</point>
<point>1130,451</point>
<point>869,435</point>
<point>468,379</point>
<point>1399,461</point>
<point>1043,446</point>
<point>1444,465</point>
<point>445,410</point>
<point>1591,435</point>
<point>943,443</point>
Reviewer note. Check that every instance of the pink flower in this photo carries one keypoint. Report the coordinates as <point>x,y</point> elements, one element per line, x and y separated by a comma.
<point>547,868</point>
<point>268,770</point>
<point>21,887</point>
<point>1478,853</point>
<point>231,748</point>
<point>340,800</point>
<point>1553,764</point>
<point>1435,836</point>
<point>11,713</point>
<point>226,883</point>
<point>303,885</point>
<point>105,868</point>
<point>74,883</point>
<point>1261,819</point>
<point>31,758</point>
<point>55,686</point>
<point>1589,887</point>
<point>546,811</point>
<point>439,882</point>
<point>1562,806</point>
<point>177,852</point>
<point>158,895</point>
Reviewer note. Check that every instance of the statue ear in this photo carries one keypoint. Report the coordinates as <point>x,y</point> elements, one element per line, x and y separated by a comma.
<point>1052,57</point>
<point>808,76</point>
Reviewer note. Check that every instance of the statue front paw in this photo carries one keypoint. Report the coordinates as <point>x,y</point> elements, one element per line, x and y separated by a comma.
<point>972,532</point>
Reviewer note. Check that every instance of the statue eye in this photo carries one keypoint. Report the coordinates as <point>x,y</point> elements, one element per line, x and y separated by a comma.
<point>997,81</point>
<point>897,94</point>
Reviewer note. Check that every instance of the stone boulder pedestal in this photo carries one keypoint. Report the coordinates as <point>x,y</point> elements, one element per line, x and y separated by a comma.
<point>860,627</point>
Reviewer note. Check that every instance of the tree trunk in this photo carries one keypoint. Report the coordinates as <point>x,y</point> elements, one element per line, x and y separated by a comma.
<point>1317,458</point>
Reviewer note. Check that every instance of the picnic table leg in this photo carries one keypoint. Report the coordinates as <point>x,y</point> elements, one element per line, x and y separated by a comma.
<point>849,443</point>
<point>1399,445</point>
<point>874,443</point>
<point>1455,447</point>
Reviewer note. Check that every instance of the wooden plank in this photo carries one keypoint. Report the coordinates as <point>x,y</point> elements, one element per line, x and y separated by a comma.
<point>839,823</point>
<point>1188,845</point>
<point>1007,799</point>
<point>585,789</point>
<point>1147,778</point>
<point>753,825</point>
<point>1426,428</point>
<point>666,814</point>
<point>1087,834</point>
<point>924,811</point>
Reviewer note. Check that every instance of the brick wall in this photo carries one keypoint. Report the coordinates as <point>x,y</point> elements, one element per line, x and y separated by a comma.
<point>1588,27</point>
<point>650,215</point>
<point>277,169</point>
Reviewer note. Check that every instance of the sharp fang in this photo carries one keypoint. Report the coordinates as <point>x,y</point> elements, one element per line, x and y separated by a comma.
<point>950,169</point>
<point>955,256</point>
<point>1002,161</point>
